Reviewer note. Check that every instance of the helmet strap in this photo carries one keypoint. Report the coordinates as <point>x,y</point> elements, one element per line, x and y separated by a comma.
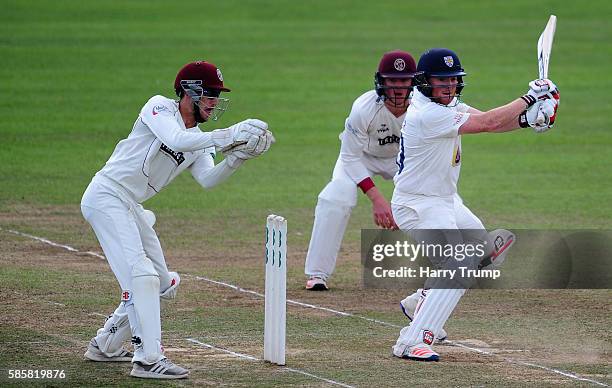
<point>196,113</point>
<point>379,84</point>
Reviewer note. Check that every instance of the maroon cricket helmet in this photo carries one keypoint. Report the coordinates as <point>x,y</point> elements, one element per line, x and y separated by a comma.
<point>397,64</point>
<point>394,64</point>
<point>201,73</point>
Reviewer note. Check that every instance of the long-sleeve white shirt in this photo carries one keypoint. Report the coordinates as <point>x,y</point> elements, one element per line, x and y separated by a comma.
<point>370,129</point>
<point>158,149</point>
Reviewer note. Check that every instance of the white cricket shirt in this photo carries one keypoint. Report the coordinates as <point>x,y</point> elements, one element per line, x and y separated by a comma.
<point>429,159</point>
<point>157,150</point>
<point>370,129</point>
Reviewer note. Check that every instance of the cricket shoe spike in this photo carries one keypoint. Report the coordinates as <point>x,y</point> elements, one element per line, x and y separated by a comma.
<point>315,283</point>
<point>162,369</point>
<point>421,352</point>
<point>500,240</point>
<point>94,353</point>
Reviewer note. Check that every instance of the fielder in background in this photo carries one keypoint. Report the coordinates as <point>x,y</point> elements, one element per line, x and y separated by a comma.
<point>370,142</point>
<point>165,140</point>
<point>425,195</point>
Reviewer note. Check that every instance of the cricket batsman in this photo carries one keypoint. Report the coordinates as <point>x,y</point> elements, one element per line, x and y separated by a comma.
<point>369,145</point>
<point>425,198</point>
<point>164,141</point>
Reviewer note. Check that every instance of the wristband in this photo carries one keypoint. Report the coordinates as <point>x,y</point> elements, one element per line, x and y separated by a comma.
<point>529,100</point>
<point>522,120</point>
<point>366,184</point>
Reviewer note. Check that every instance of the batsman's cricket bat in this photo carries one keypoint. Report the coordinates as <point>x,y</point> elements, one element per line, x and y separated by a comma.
<point>544,46</point>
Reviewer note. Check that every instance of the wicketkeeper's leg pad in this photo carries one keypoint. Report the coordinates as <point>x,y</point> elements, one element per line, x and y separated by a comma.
<point>143,308</point>
<point>116,331</point>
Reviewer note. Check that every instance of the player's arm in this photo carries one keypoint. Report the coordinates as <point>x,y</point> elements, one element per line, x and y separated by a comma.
<point>519,113</point>
<point>500,119</point>
<point>158,115</point>
<point>354,140</point>
<point>209,175</point>
<point>351,153</point>
<point>381,210</point>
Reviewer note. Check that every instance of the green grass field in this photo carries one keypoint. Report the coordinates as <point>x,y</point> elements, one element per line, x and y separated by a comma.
<point>74,76</point>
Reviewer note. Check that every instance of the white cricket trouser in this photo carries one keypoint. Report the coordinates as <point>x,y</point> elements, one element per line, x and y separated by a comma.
<point>413,212</point>
<point>125,232</point>
<point>332,214</point>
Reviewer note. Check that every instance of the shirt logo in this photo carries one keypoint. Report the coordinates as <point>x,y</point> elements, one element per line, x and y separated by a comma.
<point>458,118</point>
<point>428,337</point>
<point>457,156</point>
<point>176,156</point>
<point>449,61</point>
<point>399,64</point>
<point>383,128</point>
<point>388,140</point>
<point>350,128</point>
<point>159,108</point>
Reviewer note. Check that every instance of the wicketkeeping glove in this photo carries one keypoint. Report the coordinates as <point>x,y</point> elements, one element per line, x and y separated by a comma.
<point>239,133</point>
<point>255,146</point>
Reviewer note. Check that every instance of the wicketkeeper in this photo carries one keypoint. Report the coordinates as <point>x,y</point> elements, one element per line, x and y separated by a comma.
<point>165,140</point>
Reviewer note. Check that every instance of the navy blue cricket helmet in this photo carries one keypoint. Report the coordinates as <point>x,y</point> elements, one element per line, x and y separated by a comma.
<point>439,62</point>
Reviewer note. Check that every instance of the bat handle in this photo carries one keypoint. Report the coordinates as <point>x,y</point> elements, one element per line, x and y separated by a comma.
<point>541,118</point>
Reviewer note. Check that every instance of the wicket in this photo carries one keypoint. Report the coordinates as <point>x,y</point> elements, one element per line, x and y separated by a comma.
<point>276,290</point>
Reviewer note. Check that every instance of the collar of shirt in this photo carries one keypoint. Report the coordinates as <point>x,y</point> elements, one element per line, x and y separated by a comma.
<point>419,100</point>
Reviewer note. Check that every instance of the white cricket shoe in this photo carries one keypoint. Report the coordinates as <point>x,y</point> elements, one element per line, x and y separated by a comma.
<point>409,306</point>
<point>162,369</point>
<point>421,352</point>
<point>94,353</point>
<point>315,283</point>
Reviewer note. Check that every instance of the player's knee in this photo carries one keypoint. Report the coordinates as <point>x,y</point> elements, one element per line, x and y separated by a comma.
<point>341,192</point>
<point>90,214</point>
<point>144,267</point>
<point>145,284</point>
<point>149,217</point>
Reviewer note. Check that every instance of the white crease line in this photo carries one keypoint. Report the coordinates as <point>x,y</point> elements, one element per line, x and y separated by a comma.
<point>252,358</point>
<point>235,354</point>
<point>39,299</point>
<point>297,303</point>
<point>317,377</point>
<point>68,248</point>
<point>94,254</point>
<point>563,373</point>
<point>513,361</point>
<point>342,313</point>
